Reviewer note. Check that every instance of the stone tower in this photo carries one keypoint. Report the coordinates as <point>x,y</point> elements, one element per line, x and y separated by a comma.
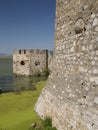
<point>31,62</point>
<point>70,96</point>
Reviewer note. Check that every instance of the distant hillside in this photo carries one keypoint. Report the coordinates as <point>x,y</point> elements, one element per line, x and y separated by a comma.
<point>4,55</point>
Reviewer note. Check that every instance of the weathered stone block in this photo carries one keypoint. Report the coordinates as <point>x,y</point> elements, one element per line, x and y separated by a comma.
<point>95,22</point>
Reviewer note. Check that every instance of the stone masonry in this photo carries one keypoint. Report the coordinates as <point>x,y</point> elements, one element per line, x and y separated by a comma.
<point>31,62</point>
<point>70,96</point>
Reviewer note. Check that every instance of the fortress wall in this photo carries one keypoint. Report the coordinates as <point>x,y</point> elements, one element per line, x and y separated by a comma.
<point>31,62</point>
<point>38,61</point>
<point>70,96</point>
<point>50,61</point>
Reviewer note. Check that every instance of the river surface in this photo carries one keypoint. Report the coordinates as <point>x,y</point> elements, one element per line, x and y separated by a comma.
<point>8,82</point>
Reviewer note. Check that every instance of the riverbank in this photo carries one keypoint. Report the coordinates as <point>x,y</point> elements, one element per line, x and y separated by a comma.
<point>17,109</point>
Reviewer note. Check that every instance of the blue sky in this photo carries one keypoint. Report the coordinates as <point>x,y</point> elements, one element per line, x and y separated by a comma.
<point>26,24</point>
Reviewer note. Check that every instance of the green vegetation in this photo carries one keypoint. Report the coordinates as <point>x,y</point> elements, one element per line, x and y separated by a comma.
<point>46,72</point>
<point>17,110</point>
<point>46,124</point>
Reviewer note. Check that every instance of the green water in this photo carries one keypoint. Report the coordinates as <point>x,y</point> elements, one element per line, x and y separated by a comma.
<point>8,82</point>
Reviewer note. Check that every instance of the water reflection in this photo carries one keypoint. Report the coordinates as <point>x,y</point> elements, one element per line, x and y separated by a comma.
<point>23,83</point>
<point>11,83</point>
<point>8,82</point>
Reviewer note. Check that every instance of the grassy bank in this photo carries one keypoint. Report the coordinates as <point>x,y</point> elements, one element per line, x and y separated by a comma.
<point>17,110</point>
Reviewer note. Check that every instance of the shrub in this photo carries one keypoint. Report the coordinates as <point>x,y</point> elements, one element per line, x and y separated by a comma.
<point>47,122</point>
<point>46,72</point>
<point>37,73</point>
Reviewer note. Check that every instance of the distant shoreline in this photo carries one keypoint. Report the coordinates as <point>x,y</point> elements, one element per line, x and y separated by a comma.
<point>6,57</point>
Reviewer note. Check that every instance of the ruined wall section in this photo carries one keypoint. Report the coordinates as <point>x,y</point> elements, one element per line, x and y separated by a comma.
<point>71,93</point>
<point>38,61</point>
<point>50,61</point>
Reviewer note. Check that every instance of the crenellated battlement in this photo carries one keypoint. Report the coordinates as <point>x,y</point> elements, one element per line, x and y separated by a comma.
<point>25,51</point>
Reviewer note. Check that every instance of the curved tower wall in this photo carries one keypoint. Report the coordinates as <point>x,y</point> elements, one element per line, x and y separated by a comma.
<point>70,96</point>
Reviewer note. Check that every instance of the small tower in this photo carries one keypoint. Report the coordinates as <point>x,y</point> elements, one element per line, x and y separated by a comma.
<point>30,62</point>
<point>21,62</point>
